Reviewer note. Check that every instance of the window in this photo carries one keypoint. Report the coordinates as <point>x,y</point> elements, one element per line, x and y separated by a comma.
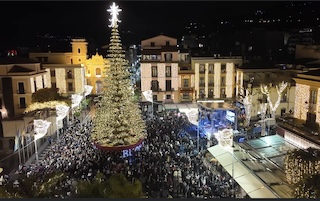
<point>21,88</point>
<point>89,72</point>
<point>223,68</point>
<point>152,44</point>
<point>53,85</point>
<point>223,93</point>
<point>79,50</point>
<point>69,74</point>
<point>168,71</point>
<point>154,71</point>
<point>201,68</point>
<point>167,43</point>
<point>185,83</point>
<point>70,86</point>
<point>42,82</point>
<point>53,72</point>
<point>168,96</point>
<point>168,57</point>
<point>168,85</point>
<point>201,94</point>
<point>210,94</point>
<point>154,97</point>
<point>22,102</point>
<point>98,71</point>
<point>35,85</point>
<point>154,85</point>
<point>211,70</point>
<point>236,65</point>
<point>201,82</point>
<point>185,96</point>
<point>284,98</point>
<point>223,81</point>
<point>211,81</point>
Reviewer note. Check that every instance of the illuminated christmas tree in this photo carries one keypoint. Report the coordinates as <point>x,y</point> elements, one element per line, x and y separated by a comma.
<point>118,121</point>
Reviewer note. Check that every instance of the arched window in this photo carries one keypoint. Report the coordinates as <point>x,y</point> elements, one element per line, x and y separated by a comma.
<point>98,71</point>
<point>79,50</point>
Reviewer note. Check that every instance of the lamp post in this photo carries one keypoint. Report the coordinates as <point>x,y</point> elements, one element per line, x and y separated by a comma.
<point>61,111</point>
<point>40,130</point>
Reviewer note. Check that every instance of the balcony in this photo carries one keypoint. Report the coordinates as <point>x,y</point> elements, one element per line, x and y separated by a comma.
<point>167,101</point>
<point>169,89</point>
<point>22,106</point>
<point>186,99</point>
<point>21,91</point>
<point>186,89</point>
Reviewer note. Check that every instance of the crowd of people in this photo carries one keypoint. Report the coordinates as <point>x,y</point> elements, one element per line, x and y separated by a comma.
<point>169,164</point>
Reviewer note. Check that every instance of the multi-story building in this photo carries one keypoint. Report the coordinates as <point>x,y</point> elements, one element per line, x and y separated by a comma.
<point>67,70</point>
<point>159,68</point>
<point>215,77</point>
<point>307,98</point>
<point>19,80</point>
<point>252,76</point>
<point>186,77</point>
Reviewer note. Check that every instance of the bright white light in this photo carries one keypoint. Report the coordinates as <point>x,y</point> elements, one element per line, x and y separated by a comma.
<point>225,139</point>
<point>148,95</point>
<point>87,89</point>
<point>76,99</point>
<point>40,128</point>
<point>193,116</point>
<point>114,11</point>
<point>61,111</point>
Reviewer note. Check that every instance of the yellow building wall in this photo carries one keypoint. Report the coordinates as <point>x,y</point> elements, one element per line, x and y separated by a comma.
<point>91,66</point>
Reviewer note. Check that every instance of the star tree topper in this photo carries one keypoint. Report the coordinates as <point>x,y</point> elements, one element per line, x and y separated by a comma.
<point>114,11</point>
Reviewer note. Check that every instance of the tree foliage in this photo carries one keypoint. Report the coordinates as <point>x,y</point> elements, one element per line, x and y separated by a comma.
<point>117,186</point>
<point>45,95</point>
<point>309,187</point>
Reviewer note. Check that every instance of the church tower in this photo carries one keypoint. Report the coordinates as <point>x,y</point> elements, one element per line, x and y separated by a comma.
<point>79,51</point>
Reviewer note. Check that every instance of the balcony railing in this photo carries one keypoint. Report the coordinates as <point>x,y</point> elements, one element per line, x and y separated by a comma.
<point>186,88</point>
<point>21,91</point>
<point>22,106</point>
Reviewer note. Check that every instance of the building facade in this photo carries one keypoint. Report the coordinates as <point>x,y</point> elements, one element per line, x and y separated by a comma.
<point>159,68</point>
<point>215,77</point>
<point>67,70</point>
<point>252,78</point>
<point>307,98</point>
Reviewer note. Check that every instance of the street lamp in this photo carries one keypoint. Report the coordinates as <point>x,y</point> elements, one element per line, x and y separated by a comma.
<point>40,130</point>
<point>61,111</point>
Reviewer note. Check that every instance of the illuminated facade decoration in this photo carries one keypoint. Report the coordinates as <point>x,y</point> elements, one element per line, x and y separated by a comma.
<point>159,68</point>
<point>252,78</point>
<point>215,78</point>
<point>301,100</point>
<point>307,97</point>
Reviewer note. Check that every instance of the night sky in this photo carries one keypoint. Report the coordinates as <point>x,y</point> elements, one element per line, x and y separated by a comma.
<point>143,19</point>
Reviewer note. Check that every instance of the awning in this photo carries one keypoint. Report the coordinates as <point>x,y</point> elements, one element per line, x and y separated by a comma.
<point>249,182</point>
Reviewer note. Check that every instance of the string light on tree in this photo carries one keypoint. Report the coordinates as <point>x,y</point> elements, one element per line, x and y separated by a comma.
<point>118,121</point>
